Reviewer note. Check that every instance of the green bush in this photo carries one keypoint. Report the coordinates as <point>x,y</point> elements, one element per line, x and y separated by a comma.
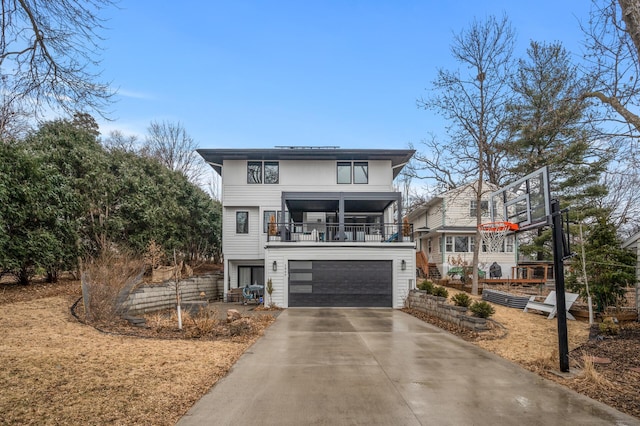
<point>609,327</point>
<point>427,286</point>
<point>461,299</point>
<point>440,292</point>
<point>482,309</point>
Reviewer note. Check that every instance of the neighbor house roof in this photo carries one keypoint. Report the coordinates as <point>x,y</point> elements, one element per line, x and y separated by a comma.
<point>632,241</point>
<point>398,157</point>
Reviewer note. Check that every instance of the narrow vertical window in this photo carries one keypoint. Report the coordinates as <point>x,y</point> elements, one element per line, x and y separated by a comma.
<point>254,172</point>
<point>344,172</point>
<point>360,172</point>
<point>242,222</point>
<point>268,214</point>
<point>449,244</point>
<point>271,172</point>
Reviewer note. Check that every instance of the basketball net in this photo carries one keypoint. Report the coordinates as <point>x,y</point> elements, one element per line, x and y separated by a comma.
<point>494,233</point>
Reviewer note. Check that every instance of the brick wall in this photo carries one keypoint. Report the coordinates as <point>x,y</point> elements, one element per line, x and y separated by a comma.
<point>438,307</point>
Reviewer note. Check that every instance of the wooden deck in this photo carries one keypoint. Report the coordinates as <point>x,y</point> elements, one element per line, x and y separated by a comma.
<point>525,282</point>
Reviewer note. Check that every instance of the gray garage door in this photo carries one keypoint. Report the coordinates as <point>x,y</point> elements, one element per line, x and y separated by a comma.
<point>340,283</point>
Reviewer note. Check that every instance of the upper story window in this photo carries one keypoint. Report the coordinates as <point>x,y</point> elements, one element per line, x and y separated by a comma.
<point>259,172</point>
<point>360,172</point>
<point>271,172</point>
<point>484,205</point>
<point>242,222</point>
<point>254,172</point>
<point>356,172</point>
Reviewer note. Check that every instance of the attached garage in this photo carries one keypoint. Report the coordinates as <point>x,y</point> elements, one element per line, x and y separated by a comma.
<point>341,283</point>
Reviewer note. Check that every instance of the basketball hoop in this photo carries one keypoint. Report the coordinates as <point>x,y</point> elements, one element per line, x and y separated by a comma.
<point>494,233</point>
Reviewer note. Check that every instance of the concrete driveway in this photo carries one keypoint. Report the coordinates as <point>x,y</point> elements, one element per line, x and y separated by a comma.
<point>383,367</point>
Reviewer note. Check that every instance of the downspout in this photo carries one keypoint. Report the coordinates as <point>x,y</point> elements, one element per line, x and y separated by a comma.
<point>341,217</point>
<point>399,219</point>
<point>281,225</point>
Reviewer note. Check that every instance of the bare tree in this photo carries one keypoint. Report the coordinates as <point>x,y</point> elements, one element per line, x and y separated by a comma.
<point>14,119</point>
<point>170,144</point>
<point>119,141</point>
<point>474,103</point>
<point>48,54</point>
<point>612,43</point>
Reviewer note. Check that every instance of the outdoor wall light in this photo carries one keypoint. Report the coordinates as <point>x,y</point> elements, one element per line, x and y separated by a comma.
<point>274,266</point>
<point>403,265</point>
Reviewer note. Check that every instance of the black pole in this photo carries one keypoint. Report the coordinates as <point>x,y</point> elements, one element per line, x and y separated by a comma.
<point>558,266</point>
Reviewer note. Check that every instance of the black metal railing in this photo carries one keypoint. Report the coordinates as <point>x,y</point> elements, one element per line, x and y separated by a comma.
<point>333,232</point>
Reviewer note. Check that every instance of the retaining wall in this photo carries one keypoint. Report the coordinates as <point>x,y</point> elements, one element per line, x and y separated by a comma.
<point>154,297</point>
<point>438,307</point>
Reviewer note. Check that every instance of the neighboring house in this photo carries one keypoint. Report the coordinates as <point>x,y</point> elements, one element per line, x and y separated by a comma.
<point>340,241</point>
<point>445,230</point>
<point>633,244</point>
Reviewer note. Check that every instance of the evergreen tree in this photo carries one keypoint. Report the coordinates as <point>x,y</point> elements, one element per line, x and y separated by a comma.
<point>609,267</point>
<point>550,121</point>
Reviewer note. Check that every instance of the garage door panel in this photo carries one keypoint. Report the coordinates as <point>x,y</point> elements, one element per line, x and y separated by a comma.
<point>341,283</point>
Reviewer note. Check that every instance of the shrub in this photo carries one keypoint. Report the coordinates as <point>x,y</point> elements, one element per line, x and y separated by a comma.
<point>106,284</point>
<point>440,292</point>
<point>482,309</point>
<point>609,327</point>
<point>461,299</point>
<point>427,286</point>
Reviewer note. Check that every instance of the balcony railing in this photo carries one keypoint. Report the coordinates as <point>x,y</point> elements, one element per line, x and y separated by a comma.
<point>331,232</point>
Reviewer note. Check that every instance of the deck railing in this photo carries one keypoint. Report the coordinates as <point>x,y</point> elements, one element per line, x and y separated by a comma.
<point>332,232</point>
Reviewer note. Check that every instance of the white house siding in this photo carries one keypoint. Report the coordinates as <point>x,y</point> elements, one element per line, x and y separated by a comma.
<point>435,216</point>
<point>300,175</point>
<point>235,245</point>
<point>282,253</point>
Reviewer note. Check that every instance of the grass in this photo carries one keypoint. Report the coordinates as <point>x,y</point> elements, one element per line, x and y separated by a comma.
<point>56,370</point>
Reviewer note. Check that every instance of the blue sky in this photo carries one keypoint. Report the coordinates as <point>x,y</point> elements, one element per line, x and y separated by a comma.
<point>258,74</point>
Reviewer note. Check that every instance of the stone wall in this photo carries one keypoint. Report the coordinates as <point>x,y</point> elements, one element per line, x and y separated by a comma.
<point>438,307</point>
<point>154,297</point>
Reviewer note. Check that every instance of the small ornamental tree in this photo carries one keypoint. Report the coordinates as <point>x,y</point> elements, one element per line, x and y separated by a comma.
<point>609,267</point>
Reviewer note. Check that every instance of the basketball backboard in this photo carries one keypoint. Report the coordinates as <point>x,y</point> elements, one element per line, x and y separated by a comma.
<point>525,202</point>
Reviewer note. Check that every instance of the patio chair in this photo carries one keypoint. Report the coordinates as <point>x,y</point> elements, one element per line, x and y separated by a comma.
<point>248,295</point>
<point>549,304</point>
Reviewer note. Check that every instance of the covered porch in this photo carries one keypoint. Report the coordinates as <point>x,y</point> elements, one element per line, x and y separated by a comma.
<point>326,217</point>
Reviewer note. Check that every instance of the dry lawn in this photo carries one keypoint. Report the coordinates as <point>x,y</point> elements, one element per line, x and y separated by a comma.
<point>55,370</point>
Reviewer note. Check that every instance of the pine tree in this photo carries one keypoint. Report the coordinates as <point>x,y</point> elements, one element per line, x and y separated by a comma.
<point>609,267</point>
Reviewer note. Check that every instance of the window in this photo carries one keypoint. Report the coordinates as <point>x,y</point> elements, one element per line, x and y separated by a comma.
<point>360,172</point>
<point>507,245</point>
<point>266,219</point>
<point>267,215</point>
<point>461,244</point>
<point>271,172</point>
<point>242,222</point>
<point>484,205</point>
<point>254,172</point>
<point>344,172</point>
<point>356,172</point>
<point>248,275</point>
<point>449,244</point>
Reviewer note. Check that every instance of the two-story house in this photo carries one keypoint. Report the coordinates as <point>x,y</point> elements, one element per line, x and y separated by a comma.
<point>324,224</point>
<point>445,229</point>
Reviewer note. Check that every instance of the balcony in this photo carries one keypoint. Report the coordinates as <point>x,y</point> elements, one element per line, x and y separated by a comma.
<point>315,232</point>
